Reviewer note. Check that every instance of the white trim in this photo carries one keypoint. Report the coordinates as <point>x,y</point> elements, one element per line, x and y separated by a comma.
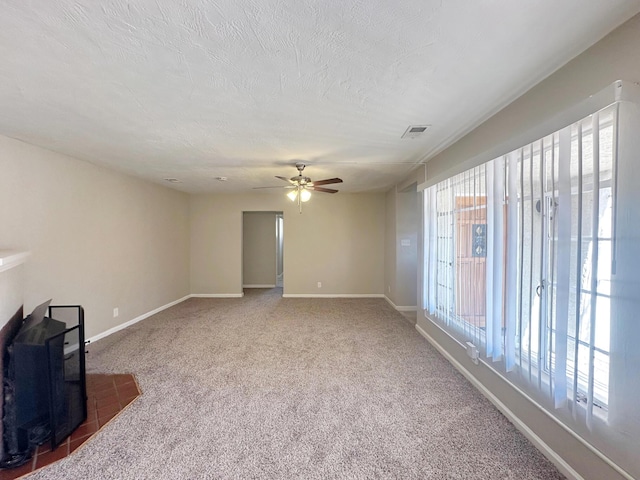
<point>124,325</point>
<point>259,286</point>
<point>216,295</point>
<point>401,308</point>
<point>546,450</point>
<point>537,441</point>
<point>406,308</point>
<point>627,91</point>
<point>333,295</point>
<point>12,258</point>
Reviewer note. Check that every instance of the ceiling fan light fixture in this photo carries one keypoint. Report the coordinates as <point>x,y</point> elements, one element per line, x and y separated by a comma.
<point>300,186</point>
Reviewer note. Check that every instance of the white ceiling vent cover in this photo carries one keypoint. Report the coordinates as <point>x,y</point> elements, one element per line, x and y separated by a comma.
<point>415,131</point>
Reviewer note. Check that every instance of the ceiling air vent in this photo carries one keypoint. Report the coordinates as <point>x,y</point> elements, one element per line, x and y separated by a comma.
<point>415,131</point>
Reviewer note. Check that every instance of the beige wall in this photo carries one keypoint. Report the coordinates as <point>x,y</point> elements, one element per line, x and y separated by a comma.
<point>617,56</point>
<point>259,249</point>
<point>407,226</point>
<point>400,260</point>
<point>337,240</point>
<point>403,222</point>
<point>96,237</point>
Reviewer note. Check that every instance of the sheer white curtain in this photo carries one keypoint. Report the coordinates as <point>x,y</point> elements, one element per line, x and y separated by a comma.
<point>563,267</point>
<point>495,258</point>
<point>430,251</point>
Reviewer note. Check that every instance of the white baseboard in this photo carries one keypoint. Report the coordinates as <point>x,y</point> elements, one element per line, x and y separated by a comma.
<point>546,450</point>
<point>406,309</point>
<point>259,286</point>
<point>124,325</point>
<point>400,308</point>
<point>216,295</point>
<point>333,295</point>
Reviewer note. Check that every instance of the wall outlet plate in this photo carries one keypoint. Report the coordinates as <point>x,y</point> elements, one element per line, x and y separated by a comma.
<point>472,352</point>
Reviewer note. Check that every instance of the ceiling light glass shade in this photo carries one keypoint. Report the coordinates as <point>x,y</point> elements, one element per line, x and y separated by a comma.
<point>305,195</point>
<point>292,195</point>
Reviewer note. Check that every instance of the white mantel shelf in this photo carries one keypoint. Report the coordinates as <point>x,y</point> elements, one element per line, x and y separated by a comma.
<point>12,258</point>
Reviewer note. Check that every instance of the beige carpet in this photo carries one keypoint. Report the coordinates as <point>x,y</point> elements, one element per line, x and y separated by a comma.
<point>266,387</point>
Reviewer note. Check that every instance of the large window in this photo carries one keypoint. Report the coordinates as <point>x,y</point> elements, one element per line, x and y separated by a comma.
<point>519,260</point>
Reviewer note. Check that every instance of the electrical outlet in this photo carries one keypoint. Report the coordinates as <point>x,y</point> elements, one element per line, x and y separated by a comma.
<point>115,312</point>
<point>319,284</point>
<point>389,288</point>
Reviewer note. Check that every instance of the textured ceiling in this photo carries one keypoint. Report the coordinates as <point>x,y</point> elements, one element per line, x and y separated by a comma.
<point>243,88</point>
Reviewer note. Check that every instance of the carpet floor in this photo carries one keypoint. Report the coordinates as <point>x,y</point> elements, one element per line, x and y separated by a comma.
<point>270,387</point>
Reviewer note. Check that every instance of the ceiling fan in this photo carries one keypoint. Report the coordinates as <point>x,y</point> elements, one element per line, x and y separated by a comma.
<point>301,186</point>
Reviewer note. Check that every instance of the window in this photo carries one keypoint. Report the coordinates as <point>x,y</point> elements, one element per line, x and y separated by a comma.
<point>519,257</point>
<point>461,210</point>
<point>592,172</point>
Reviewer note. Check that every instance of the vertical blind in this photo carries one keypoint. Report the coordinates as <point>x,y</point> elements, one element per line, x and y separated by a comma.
<point>519,257</point>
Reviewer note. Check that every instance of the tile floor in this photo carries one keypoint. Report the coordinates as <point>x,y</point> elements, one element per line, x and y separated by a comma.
<point>107,395</point>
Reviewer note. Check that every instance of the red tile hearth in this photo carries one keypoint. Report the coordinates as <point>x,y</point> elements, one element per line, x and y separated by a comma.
<point>107,396</point>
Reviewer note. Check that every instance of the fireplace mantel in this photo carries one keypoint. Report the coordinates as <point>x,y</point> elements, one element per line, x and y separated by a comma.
<point>11,258</point>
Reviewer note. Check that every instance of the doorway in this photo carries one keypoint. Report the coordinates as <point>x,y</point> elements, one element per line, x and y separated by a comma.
<point>279,250</point>
<point>262,249</point>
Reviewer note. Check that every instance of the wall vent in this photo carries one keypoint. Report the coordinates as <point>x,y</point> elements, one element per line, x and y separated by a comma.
<point>415,131</point>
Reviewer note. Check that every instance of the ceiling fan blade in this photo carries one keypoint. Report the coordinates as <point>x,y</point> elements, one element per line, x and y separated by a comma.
<point>285,187</point>
<point>284,178</point>
<point>327,181</point>
<point>322,189</point>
